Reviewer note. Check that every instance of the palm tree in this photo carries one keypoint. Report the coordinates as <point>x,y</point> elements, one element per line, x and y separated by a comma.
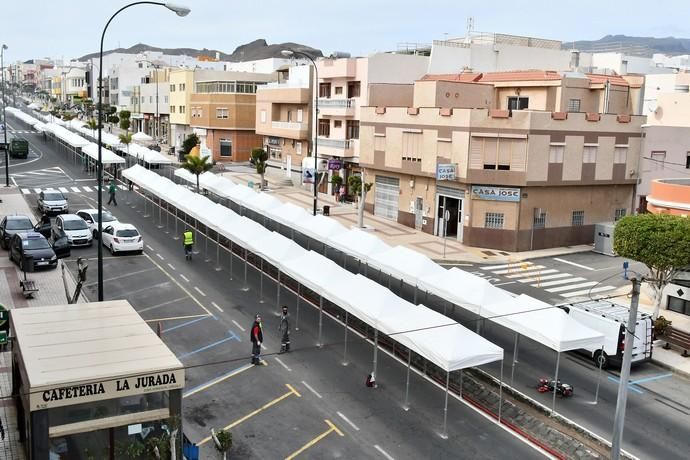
<point>196,165</point>
<point>92,125</point>
<point>126,138</point>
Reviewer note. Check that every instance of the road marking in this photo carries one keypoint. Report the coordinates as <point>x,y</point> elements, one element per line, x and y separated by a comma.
<point>216,380</point>
<point>311,389</point>
<point>174,318</point>
<point>87,188</point>
<point>383,452</point>
<point>171,266</point>
<point>573,264</point>
<point>503,284</point>
<point>562,281</point>
<point>631,386</point>
<point>125,275</point>
<point>523,274</point>
<point>37,190</point>
<point>280,361</point>
<point>231,336</point>
<point>199,291</point>
<point>257,411</point>
<point>149,248</point>
<point>498,267</point>
<point>518,269</point>
<point>217,307</point>
<point>588,291</point>
<point>238,325</point>
<point>547,277</point>
<point>349,422</point>
<point>26,191</point>
<point>162,304</point>
<point>160,256</point>
<point>187,323</point>
<point>184,277</point>
<point>75,189</point>
<point>573,286</point>
<point>331,429</point>
<point>63,189</point>
<point>179,285</point>
<point>652,378</point>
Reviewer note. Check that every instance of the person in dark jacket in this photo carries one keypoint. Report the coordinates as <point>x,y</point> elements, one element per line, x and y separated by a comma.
<point>284,328</point>
<point>257,337</point>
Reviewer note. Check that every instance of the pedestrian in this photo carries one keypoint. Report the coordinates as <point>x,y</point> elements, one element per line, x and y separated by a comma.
<point>257,337</point>
<point>188,242</point>
<point>284,328</point>
<point>111,191</point>
<point>2,430</point>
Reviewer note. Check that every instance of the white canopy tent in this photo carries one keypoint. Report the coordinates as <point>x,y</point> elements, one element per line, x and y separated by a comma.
<point>108,157</point>
<point>141,137</point>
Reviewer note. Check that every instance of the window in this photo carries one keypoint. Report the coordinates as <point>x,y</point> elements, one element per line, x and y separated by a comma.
<point>518,103</point>
<point>150,99</point>
<point>298,148</point>
<point>289,116</point>
<point>182,109</point>
<point>578,218</point>
<point>556,153</point>
<point>352,129</point>
<point>574,105</point>
<point>620,155</point>
<point>226,147</point>
<point>325,90</point>
<point>143,99</point>
<point>172,109</point>
<point>619,214</point>
<point>589,154</point>
<point>172,88</point>
<point>324,128</point>
<point>182,86</point>
<point>263,116</point>
<point>165,99</point>
<point>222,113</point>
<point>539,220</point>
<point>679,305</point>
<point>493,220</point>
<point>658,159</point>
<point>337,123</point>
<point>353,89</point>
<point>338,90</point>
<point>687,160</point>
<point>300,115</point>
<point>411,146</point>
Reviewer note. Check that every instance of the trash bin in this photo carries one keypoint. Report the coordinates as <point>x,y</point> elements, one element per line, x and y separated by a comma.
<point>326,210</point>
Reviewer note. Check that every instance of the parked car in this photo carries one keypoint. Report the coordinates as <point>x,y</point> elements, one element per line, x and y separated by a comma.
<point>35,245</point>
<point>52,202</point>
<point>76,229</point>
<point>91,218</point>
<point>121,237</point>
<point>11,225</point>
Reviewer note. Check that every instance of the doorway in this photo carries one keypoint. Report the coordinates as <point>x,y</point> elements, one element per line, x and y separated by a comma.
<point>453,227</point>
<point>419,213</point>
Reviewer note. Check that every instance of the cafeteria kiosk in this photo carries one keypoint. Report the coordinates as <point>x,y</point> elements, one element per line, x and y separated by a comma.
<point>93,381</point>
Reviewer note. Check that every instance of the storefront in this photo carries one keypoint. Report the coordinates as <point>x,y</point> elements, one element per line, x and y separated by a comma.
<point>94,381</point>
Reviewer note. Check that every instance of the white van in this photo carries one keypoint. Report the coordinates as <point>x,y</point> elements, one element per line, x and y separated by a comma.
<point>610,319</point>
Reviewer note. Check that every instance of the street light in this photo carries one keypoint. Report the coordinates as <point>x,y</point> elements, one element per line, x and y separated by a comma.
<point>180,11</point>
<point>290,53</point>
<point>157,121</point>
<point>4,119</point>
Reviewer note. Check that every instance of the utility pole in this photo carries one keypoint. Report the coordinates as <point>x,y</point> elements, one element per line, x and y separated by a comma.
<point>619,419</point>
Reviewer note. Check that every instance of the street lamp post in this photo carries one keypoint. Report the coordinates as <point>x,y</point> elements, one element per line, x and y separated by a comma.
<point>289,53</point>
<point>157,120</point>
<point>4,119</point>
<point>180,11</point>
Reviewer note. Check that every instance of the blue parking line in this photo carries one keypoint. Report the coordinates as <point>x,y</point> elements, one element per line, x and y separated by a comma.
<point>631,385</point>
<point>652,378</point>
<point>231,336</point>
<point>186,323</point>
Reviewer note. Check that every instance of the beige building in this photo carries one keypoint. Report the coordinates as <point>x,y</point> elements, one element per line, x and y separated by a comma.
<point>180,87</point>
<point>514,161</point>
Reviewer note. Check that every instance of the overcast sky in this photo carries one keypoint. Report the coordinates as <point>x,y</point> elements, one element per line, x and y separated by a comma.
<point>71,28</point>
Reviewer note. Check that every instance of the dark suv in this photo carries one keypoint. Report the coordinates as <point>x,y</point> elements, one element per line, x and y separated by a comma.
<point>35,245</point>
<point>11,225</point>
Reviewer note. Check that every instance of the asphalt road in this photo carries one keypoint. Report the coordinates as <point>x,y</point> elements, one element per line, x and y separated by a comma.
<point>304,399</point>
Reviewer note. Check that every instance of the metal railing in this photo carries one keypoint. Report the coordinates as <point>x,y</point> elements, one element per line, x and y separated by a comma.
<point>287,125</point>
<point>343,144</point>
<point>336,103</point>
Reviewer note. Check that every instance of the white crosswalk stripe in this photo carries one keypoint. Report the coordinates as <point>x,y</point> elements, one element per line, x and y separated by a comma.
<point>585,292</point>
<point>71,189</point>
<point>498,267</point>
<point>63,189</point>
<point>532,273</point>
<point>26,191</point>
<point>87,188</point>
<point>547,277</point>
<point>571,280</point>
<point>75,189</point>
<point>572,286</point>
<point>518,269</point>
<point>37,190</point>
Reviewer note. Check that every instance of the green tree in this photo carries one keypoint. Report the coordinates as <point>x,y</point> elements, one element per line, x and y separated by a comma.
<point>126,138</point>
<point>660,241</point>
<point>189,143</point>
<point>124,119</point>
<point>260,156</point>
<point>113,119</point>
<point>222,440</point>
<point>92,125</point>
<point>196,165</point>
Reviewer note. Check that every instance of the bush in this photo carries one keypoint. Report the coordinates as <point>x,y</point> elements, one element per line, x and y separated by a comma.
<point>189,143</point>
<point>224,439</point>
<point>113,119</point>
<point>660,326</point>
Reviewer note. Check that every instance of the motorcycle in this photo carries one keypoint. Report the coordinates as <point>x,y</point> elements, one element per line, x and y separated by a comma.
<point>546,385</point>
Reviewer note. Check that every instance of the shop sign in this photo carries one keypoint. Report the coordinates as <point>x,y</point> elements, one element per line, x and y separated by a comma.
<point>108,389</point>
<point>308,175</point>
<point>335,165</point>
<point>480,192</point>
<point>445,171</point>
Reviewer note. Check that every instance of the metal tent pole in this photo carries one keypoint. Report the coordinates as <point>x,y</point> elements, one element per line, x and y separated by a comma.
<point>415,294</point>
<point>218,265</point>
<point>515,358</point>
<point>261,282</point>
<point>232,256</point>
<point>555,382</point>
<point>319,344</point>
<point>207,259</point>
<point>376,352</point>
<point>444,435</point>
<point>299,297</point>
<point>406,406</point>
<point>246,286</point>
<point>160,214</point>
<point>500,395</point>
<point>278,291</point>
<point>601,364</point>
<point>345,363</point>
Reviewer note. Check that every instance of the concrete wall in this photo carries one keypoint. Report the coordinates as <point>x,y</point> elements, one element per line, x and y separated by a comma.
<point>391,95</point>
<point>675,141</point>
<point>449,94</point>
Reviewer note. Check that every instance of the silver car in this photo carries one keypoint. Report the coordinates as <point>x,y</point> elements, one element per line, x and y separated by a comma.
<point>52,202</point>
<point>76,229</point>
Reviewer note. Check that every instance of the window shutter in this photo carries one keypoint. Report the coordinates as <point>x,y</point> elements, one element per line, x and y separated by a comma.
<point>518,155</point>
<point>504,147</point>
<point>490,151</point>
<point>476,150</point>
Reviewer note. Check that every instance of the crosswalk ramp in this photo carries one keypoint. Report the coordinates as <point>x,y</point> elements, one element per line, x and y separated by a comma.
<point>70,189</point>
<point>550,279</point>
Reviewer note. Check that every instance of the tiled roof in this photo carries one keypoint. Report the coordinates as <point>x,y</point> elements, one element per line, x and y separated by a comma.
<point>466,77</point>
<point>522,75</point>
<point>600,79</point>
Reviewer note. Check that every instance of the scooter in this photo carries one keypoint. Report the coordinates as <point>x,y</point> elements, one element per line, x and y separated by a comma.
<point>546,385</point>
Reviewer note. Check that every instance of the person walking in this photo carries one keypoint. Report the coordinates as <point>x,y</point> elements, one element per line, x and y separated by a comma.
<point>257,337</point>
<point>188,242</point>
<point>284,328</point>
<point>111,191</point>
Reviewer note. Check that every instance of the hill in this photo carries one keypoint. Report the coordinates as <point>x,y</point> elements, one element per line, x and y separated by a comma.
<point>634,45</point>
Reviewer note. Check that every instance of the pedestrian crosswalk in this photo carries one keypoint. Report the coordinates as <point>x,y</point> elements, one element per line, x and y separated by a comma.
<point>551,280</point>
<point>80,189</point>
<point>24,131</point>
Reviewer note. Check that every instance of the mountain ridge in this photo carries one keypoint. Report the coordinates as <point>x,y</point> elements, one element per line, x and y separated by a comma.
<point>641,45</point>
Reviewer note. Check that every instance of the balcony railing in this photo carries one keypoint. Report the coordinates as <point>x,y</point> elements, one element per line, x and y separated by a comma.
<point>288,125</point>
<point>337,103</point>
<point>343,144</point>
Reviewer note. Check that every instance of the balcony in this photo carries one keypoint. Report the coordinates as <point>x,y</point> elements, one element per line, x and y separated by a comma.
<point>344,148</point>
<point>287,125</point>
<point>283,94</point>
<point>287,129</point>
<point>337,107</point>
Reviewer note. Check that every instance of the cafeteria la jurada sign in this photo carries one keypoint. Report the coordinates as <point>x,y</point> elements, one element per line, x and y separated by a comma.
<point>114,388</point>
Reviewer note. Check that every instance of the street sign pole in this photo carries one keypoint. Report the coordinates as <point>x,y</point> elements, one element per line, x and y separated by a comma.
<point>446,218</point>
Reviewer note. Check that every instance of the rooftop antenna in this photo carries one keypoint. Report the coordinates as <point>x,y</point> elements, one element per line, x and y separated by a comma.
<point>470,28</point>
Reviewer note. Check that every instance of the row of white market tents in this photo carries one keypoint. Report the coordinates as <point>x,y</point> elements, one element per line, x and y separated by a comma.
<point>431,335</point>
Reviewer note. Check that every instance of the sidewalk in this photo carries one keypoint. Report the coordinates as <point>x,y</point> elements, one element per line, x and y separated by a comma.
<point>52,292</point>
<point>389,231</point>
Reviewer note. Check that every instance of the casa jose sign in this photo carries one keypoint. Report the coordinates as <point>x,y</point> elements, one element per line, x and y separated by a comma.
<point>480,192</point>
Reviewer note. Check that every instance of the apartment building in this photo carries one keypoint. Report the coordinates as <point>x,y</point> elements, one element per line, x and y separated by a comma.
<point>180,88</point>
<point>150,105</point>
<point>348,84</point>
<point>222,109</point>
<point>511,161</point>
<point>284,117</point>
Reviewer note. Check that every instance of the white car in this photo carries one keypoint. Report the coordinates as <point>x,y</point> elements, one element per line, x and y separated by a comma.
<point>121,237</point>
<point>75,228</point>
<point>91,218</point>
